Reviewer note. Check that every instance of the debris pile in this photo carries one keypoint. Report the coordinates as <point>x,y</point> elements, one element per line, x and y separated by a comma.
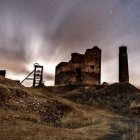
<point>116,97</point>
<point>18,102</point>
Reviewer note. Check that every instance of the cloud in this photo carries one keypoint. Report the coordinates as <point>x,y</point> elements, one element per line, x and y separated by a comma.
<point>50,30</point>
<point>49,76</point>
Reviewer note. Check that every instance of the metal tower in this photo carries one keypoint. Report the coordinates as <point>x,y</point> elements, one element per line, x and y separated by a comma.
<point>37,75</point>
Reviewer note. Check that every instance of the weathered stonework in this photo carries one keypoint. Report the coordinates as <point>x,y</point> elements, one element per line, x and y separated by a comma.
<point>82,69</point>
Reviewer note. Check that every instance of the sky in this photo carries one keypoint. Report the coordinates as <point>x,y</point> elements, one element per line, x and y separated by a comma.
<point>48,31</point>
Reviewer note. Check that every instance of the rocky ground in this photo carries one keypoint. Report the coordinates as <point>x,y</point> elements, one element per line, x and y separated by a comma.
<point>123,99</point>
<point>20,103</point>
<point>69,113</point>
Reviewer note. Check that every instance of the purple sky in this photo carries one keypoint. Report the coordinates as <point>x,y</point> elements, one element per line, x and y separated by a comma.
<point>48,31</point>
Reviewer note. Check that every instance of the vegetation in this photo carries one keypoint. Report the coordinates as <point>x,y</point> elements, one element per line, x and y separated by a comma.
<point>43,113</point>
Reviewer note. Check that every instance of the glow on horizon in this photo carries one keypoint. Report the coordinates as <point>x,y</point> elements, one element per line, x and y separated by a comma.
<point>49,68</point>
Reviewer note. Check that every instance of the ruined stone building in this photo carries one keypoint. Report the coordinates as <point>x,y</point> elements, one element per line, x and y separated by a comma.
<point>3,73</point>
<point>82,69</point>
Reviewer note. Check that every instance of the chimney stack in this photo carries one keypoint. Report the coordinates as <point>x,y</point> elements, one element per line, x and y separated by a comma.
<point>123,65</point>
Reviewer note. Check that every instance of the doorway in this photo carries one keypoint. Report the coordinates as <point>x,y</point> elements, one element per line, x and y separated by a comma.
<point>78,72</point>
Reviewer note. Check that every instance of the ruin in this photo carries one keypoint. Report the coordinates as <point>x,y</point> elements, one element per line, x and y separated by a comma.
<point>123,65</point>
<point>2,73</point>
<point>82,69</point>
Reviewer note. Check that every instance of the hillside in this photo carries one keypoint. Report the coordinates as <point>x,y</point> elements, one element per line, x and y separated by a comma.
<point>119,98</point>
<point>18,102</point>
<point>42,113</point>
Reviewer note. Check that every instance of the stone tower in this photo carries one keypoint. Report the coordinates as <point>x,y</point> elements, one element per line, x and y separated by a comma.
<point>123,65</point>
<point>82,69</point>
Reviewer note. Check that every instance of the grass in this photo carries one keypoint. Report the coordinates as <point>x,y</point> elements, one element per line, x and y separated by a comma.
<point>20,117</point>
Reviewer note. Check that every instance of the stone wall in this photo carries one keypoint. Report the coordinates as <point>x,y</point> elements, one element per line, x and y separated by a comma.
<point>82,69</point>
<point>2,73</point>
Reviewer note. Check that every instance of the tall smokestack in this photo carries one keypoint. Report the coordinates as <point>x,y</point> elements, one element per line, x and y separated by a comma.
<point>123,65</point>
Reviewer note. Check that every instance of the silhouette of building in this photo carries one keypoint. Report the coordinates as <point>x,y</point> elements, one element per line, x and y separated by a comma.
<point>82,69</point>
<point>123,65</point>
<point>2,73</point>
<point>37,76</point>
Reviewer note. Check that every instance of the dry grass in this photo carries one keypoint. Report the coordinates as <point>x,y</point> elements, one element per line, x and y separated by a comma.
<point>20,118</point>
<point>117,98</point>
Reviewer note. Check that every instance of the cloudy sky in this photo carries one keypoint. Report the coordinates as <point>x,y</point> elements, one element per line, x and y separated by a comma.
<point>48,31</point>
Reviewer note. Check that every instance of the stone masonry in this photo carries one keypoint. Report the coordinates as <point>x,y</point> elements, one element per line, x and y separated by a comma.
<point>82,69</point>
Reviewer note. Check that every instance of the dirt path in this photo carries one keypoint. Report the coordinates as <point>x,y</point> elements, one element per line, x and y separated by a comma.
<point>82,123</point>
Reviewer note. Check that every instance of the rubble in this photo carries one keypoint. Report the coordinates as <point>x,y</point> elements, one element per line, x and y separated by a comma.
<point>20,103</point>
<point>116,97</point>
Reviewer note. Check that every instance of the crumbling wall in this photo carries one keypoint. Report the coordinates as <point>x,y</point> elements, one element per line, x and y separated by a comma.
<point>2,73</point>
<point>82,69</point>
